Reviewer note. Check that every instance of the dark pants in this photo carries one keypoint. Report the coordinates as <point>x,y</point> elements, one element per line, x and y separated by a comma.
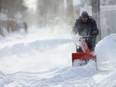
<point>91,43</point>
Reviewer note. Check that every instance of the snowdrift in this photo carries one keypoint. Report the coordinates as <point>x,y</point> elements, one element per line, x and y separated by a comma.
<point>106,53</point>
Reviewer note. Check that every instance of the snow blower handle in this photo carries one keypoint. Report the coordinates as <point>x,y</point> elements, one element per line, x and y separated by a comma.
<point>83,37</point>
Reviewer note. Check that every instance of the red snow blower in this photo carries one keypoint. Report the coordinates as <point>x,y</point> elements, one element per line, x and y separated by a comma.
<point>83,53</point>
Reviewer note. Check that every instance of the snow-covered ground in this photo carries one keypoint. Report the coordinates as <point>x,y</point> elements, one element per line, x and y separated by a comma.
<point>42,58</point>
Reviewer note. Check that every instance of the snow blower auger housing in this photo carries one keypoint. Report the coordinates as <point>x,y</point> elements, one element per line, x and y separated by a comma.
<point>83,53</point>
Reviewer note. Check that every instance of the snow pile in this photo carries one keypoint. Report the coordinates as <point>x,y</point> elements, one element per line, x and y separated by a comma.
<point>106,53</point>
<point>105,79</point>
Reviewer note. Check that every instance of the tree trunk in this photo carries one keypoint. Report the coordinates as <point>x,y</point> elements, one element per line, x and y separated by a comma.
<point>70,11</point>
<point>96,14</point>
<point>0,5</point>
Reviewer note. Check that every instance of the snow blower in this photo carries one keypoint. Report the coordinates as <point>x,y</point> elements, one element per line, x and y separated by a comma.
<point>83,52</point>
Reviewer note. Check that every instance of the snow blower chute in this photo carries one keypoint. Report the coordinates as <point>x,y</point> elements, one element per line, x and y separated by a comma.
<point>83,53</point>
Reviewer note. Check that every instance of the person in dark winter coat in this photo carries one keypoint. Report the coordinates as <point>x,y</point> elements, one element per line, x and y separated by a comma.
<point>85,25</point>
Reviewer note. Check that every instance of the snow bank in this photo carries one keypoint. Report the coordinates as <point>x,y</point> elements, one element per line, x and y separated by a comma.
<point>106,53</point>
<point>109,81</point>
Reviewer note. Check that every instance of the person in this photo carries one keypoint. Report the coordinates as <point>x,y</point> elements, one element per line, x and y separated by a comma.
<point>85,25</point>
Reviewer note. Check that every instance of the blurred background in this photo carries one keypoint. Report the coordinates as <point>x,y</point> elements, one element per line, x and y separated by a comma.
<point>21,14</point>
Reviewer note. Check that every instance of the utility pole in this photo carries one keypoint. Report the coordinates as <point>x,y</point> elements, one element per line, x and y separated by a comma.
<point>96,14</point>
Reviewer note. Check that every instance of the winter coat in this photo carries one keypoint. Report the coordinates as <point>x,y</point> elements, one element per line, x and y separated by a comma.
<point>88,28</point>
